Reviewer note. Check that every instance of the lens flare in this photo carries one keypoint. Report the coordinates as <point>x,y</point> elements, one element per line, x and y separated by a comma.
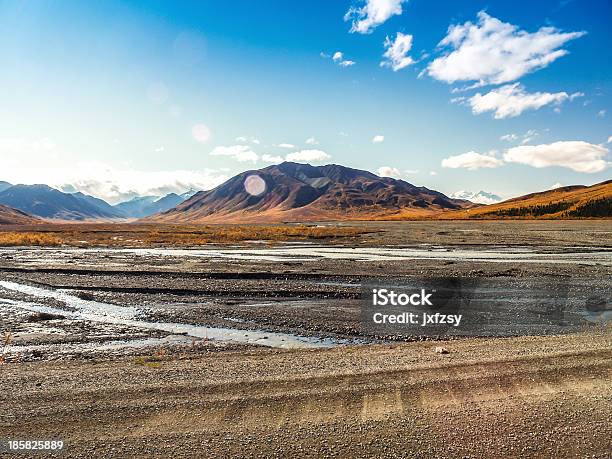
<point>255,185</point>
<point>201,133</point>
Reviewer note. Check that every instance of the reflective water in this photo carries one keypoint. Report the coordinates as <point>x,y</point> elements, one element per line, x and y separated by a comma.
<point>96,311</point>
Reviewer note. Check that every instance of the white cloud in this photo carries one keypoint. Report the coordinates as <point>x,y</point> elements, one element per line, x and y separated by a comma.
<point>601,113</point>
<point>272,159</point>
<point>378,139</point>
<point>241,139</point>
<point>285,145</point>
<point>411,171</point>
<point>556,185</point>
<point>512,100</point>
<point>159,149</point>
<point>610,139</point>
<point>388,171</point>
<point>575,155</point>
<point>396,54</point>
<point>256,141</point>
<point>495,52</point>
<point>509,137</point>
<point>112,184</point>
<point>307,156</point>
<point>346,63</point>
<point>338,58</point>
<point>312,141</point>
<point>433,173</point>
<point>372,14</point>
<point>241,153</point>
<point>472,161</point>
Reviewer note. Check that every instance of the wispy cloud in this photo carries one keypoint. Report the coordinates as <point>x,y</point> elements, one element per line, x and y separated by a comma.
<point>369,16</point>
<point>388,171</point>
<point>307,156</point>
<point>241,153</point>
<point>396,54</point>
<point>378,139</point>
<point>274,159</point>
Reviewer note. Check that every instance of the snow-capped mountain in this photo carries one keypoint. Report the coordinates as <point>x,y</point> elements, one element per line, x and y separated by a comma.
<point>482,197</point>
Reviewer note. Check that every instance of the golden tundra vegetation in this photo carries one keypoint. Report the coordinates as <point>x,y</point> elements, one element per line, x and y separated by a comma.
<point>147,235</point>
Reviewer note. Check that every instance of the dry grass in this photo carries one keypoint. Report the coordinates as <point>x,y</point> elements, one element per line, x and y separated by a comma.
<point>211,234</point>
<point>28,239</point>
<point>160,235</point>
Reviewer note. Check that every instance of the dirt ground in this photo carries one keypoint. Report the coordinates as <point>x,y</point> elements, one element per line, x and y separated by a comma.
<point>124,388</point>
<point>529,397</point>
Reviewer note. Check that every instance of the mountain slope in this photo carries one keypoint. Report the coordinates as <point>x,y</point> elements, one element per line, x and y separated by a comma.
<point>46,202</point>
<point>577,201</point>
<point>4,186</point>
<point>10,216</point>
<point>143,206</point>
<point>292,191</point>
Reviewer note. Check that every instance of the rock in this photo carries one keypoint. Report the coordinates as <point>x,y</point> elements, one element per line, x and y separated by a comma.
<point>441,350</point>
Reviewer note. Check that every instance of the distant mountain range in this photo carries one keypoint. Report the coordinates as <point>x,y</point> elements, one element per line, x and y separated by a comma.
<point>301,192</point>
<point>482,197</point>
<point>49,203</point>
<point>46,202</point>
<point>298,192</point>
<point>144,206</point>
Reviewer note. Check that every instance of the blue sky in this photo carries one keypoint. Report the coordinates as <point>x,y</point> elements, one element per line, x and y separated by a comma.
<point>119,98</point>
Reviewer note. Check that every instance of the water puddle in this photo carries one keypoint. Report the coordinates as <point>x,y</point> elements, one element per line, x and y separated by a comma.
<point>96,311</point>
<point>305,253</point>
<point>300,254</point>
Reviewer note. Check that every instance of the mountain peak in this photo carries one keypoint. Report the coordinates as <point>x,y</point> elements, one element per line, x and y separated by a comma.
<point>297,191</point>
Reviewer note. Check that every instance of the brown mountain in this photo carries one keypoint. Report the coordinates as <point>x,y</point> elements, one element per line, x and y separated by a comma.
<point>300,192</point>
<point>10,216</point>
<point>576,201</point>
